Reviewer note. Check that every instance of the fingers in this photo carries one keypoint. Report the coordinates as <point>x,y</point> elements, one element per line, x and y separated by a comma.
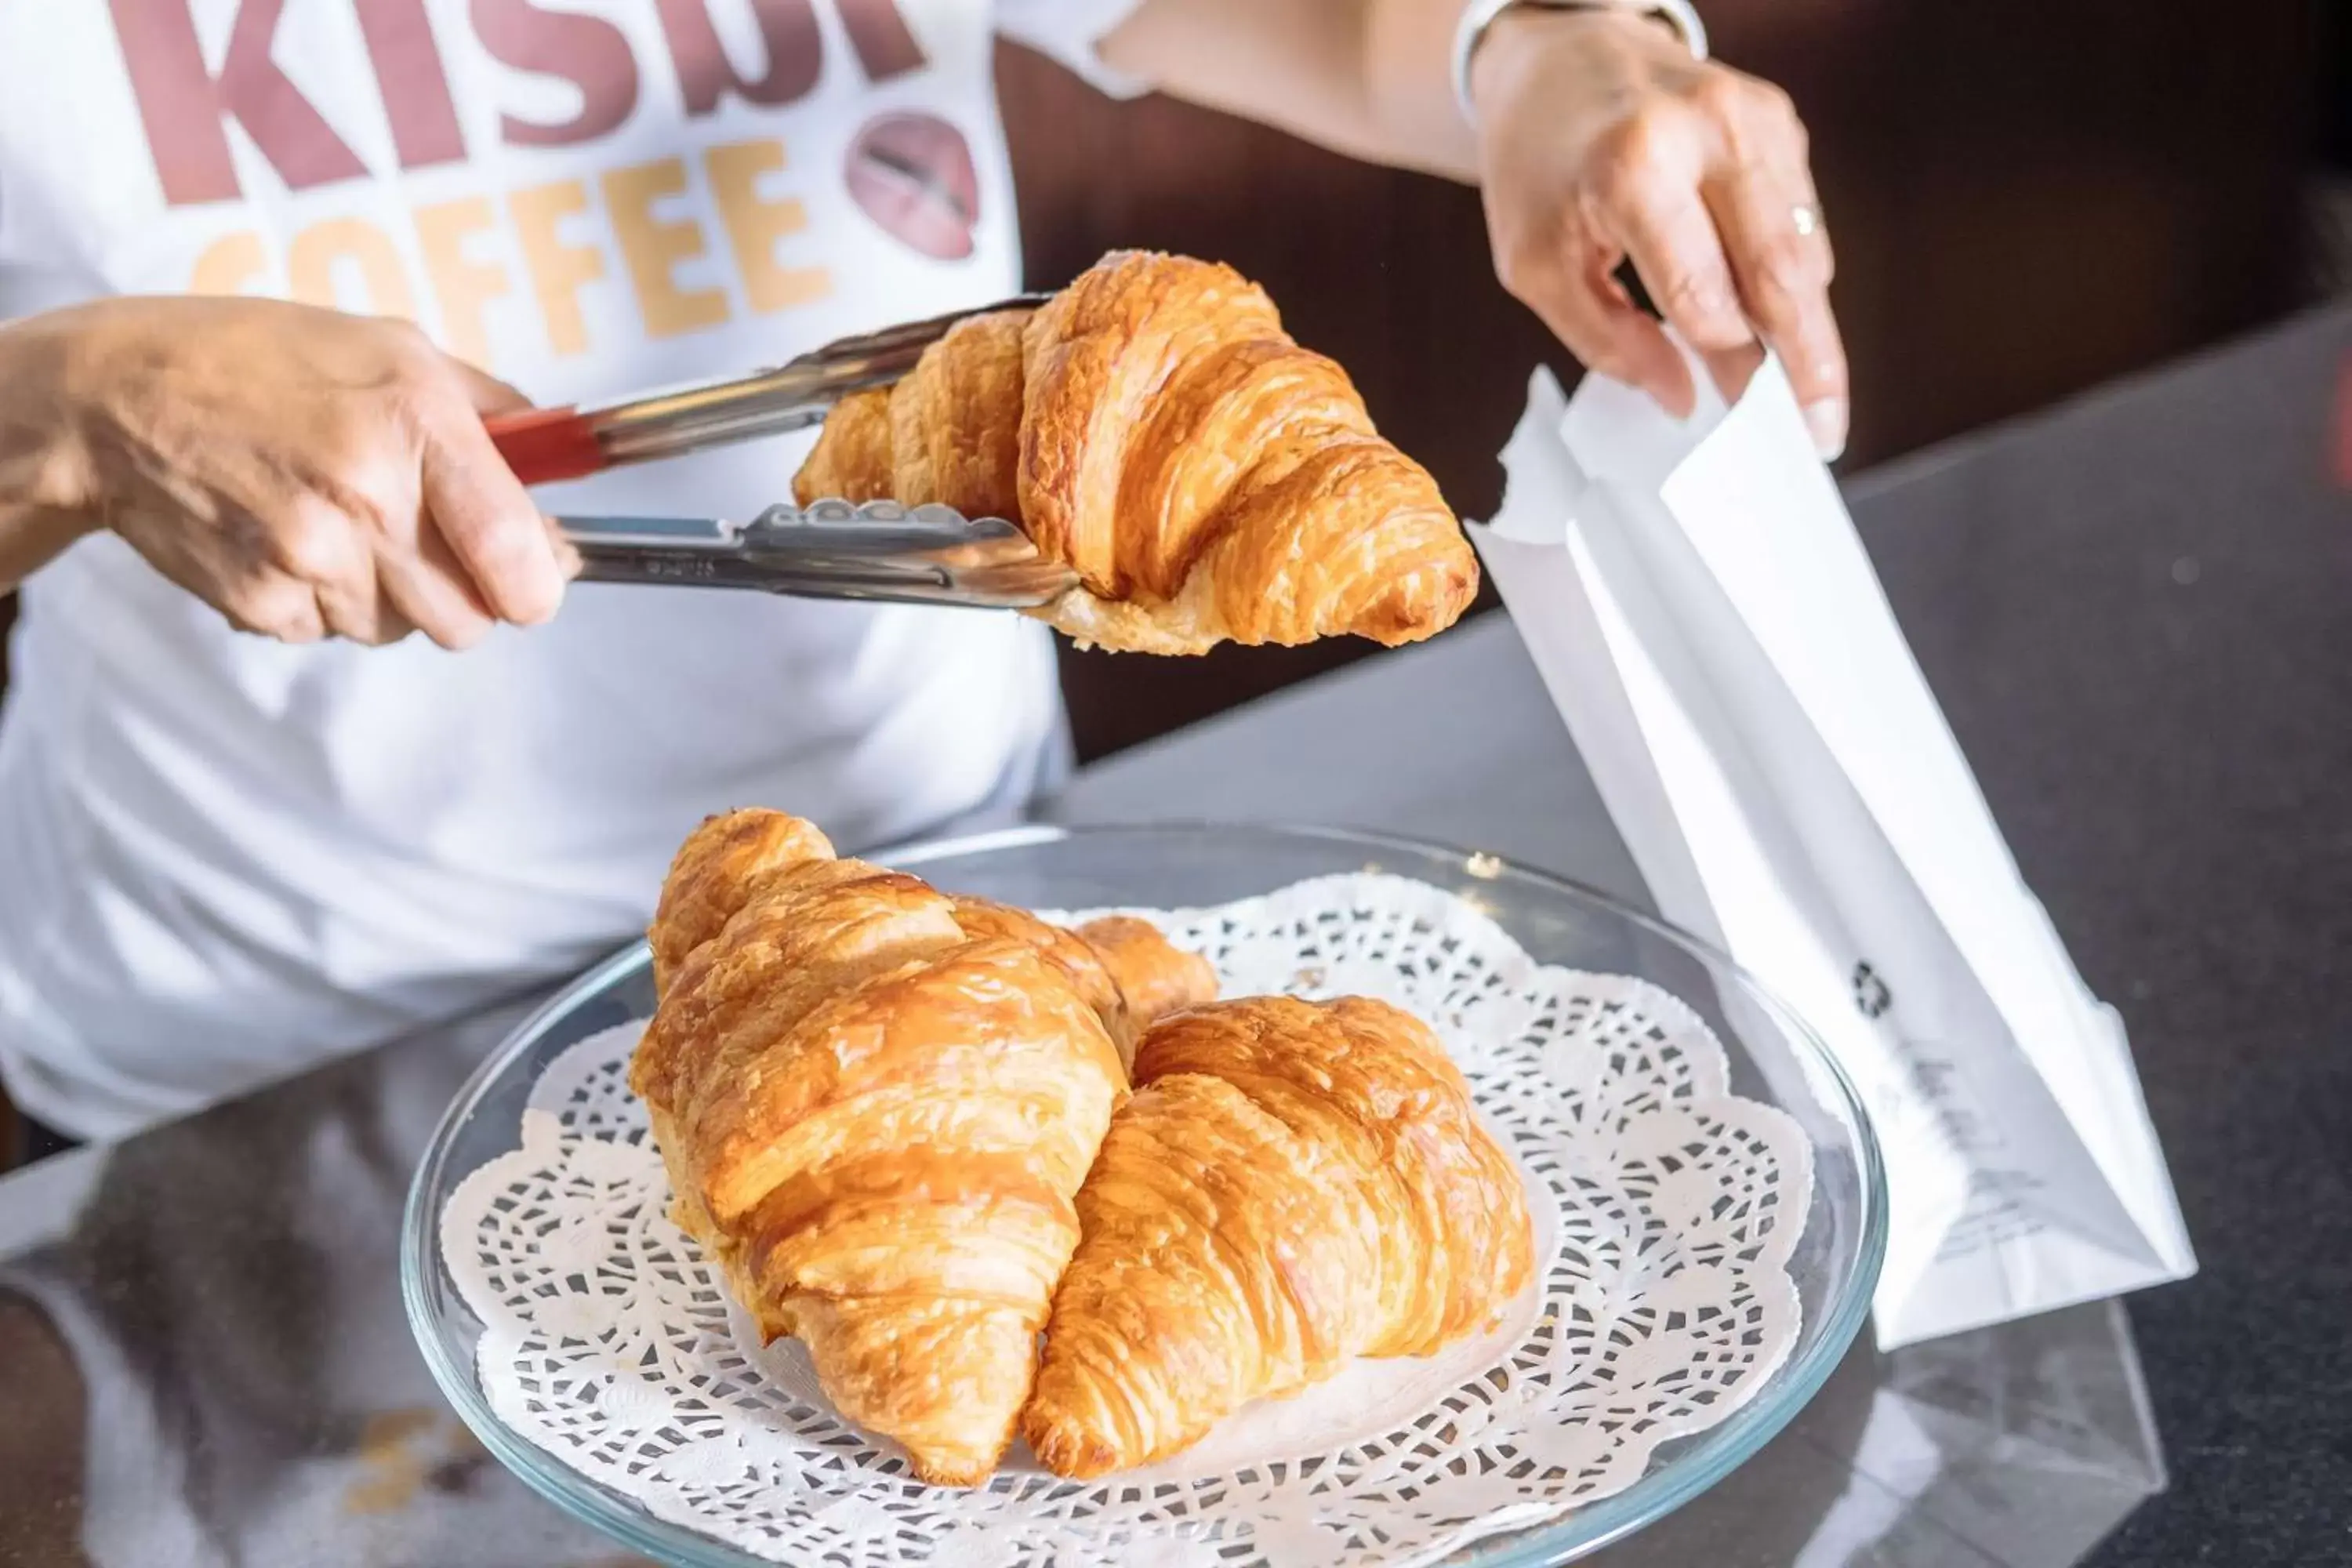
<point>1732,369</point>
<point>1764,204</point>
<point>389,570</point>
<point>476,506</point>
<point>1784,283</point>
<point>463,545</point>
<point>429,586</point>
<point>276,605</point>
<point>492,396</point>
<point>567,554</point>
<point>488,394</point>
<point>265,602</point>
<point>1567,282</point>
<point>242,582</point>
<point>1643,195</point>
<point>1695,174</point>
<point>389,624</point>
<point>309,473</point>
<point>315,543</point>
<point>320,572</point>
<point>370,561</point>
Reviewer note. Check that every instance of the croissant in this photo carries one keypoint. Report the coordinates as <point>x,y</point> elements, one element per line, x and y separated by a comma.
<point>1153,426</point>
<point>874,1104</point>
<point>1291,1186</point>
<point>874,1124</point>
<point>1154,976</point>
<point>712,877</point>
<point>1124,967</point>
<point>1121,966</point>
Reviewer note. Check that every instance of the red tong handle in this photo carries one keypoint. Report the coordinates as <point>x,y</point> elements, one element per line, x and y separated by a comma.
<point>544,444</point>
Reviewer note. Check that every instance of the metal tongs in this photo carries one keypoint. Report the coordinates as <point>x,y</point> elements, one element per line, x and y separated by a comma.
<point>829,550</point>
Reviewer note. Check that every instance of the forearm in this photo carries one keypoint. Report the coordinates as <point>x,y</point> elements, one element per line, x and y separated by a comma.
<point>1369,78</point>
<point>42,505</point>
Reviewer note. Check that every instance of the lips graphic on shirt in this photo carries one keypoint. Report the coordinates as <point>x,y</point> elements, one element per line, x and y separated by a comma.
<point>913,175</point>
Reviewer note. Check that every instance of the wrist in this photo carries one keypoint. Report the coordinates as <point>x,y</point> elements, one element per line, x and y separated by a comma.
<point>1523,35</point>
<point>46,469</point>
<point>1529,26</point>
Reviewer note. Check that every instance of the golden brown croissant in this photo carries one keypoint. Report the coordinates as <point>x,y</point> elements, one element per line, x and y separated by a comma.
<point>1154,428</point>
<point>1291,1186</point>
<point>1122,967</point>
<point>875,1124</point>
<point>1154,976</point>
<point>713,874</point>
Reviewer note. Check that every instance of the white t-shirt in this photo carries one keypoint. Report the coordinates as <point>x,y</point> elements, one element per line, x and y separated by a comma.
<point>222,858</point>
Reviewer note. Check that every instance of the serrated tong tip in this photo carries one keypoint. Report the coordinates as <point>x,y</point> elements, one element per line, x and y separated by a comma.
<point>830,549</point>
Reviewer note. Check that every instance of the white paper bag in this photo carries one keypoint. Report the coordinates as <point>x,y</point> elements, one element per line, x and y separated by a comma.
<point>1705,617</point>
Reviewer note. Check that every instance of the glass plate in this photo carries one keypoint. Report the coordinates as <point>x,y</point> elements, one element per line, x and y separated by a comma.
<point>1774,1058</point>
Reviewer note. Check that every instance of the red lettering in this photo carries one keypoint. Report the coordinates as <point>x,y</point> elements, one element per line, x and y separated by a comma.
<point>415,88</point>
<point>589,52</point>
<point>885,48</point>
<point>182,105</point>
<point>705,75</point>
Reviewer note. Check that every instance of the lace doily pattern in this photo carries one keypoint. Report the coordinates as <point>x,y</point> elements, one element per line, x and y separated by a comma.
<point>1666,1211</point>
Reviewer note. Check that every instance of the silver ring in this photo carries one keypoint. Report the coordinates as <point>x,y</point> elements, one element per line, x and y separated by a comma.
<point>1807,219</point>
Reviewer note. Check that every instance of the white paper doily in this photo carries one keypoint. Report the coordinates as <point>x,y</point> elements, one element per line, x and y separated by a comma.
<point>1665,1210</point>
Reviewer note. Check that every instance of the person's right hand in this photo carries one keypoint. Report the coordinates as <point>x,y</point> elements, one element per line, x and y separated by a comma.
<point>306,473</point>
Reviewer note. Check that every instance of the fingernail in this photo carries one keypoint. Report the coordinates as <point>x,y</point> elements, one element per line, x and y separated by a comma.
<point>1825,418</point>
<point>567,554</point>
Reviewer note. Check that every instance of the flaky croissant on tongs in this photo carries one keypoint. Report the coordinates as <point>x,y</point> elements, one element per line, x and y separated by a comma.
<point>874,1104</point>
<point>1154,428</point>
<point>1292,1185</point>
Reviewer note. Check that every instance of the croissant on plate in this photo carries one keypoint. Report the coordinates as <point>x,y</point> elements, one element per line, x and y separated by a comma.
<point>1292,1184</point>
<point>1122,967</point>
<point>875,1103</point>
<point>1154,428</point>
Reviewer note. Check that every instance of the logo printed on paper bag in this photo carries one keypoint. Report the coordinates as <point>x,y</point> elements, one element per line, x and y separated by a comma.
<point>1870,991</point>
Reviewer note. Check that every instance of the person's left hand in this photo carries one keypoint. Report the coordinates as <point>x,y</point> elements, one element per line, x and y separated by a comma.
<point>1599,140</point>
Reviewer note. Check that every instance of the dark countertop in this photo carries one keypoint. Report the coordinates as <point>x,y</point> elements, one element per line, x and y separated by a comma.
<point>2138,615</point>
<point>2136,612</point>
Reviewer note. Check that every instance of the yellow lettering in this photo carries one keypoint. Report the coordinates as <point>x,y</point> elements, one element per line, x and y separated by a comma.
<point>754,225</point>
<point>558,270</point>
<point>311,263</point>
<point>464,287</point>
<point>229,265</point>
<point>653,247</point>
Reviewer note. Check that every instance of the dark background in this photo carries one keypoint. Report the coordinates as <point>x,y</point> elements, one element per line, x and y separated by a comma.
<point>2027,199</point>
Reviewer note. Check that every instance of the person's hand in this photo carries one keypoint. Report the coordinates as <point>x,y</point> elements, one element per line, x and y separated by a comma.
<point>306,473</point>
<point>1601,140</point>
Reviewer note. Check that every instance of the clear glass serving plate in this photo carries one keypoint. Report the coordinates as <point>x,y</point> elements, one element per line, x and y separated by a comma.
<point>1774,1058</point>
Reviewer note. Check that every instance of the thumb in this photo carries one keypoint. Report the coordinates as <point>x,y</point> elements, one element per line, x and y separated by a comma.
<point>489,395</point>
